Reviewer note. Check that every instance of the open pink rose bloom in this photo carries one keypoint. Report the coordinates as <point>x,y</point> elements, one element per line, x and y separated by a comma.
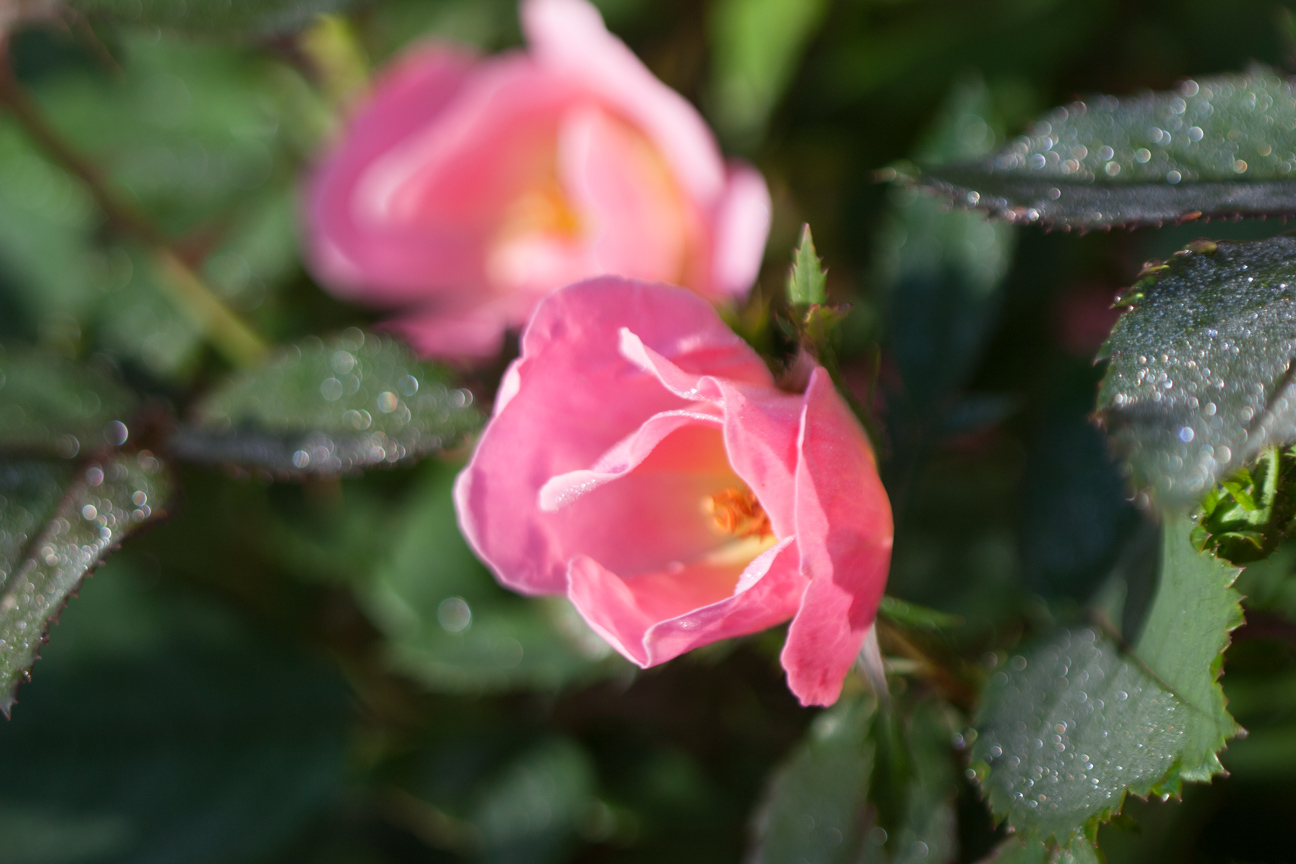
<point>465,190</point>
<point>642,461</point>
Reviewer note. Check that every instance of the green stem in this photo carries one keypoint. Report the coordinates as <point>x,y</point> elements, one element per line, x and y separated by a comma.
<point>227,332</point>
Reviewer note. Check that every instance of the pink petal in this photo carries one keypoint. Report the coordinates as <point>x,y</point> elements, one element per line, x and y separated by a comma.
<point>844,533</point>
<point>568,36</point>
<point>639,224</point>
<point>740,227</point>
<point>629,453</point>
<point>693,372</point>
<point>476,333</point>
<point>449,186</point>
<point>653,618</point>
<point>650,512</point>
<point>760,429</point>
<point>340,248</point>
<point>421,203</point>
<point>545,425</point>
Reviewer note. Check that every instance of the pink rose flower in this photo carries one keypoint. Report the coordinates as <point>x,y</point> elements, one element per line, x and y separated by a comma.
<point>465,190</point>
<point>642,461</point>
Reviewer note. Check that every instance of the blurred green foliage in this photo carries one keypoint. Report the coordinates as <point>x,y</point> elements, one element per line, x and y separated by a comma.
<point>321,671</point>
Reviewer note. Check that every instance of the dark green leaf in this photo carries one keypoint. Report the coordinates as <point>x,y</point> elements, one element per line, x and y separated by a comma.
<point>807,281</point>
<point>451,627</point>
<point>330,406</point>
<point>924,799</point>
<point>941,272</point>
<point>1199,376</point>
<point>1216,147</point>
<point>1075,516</point>
<point>49,548</point>
<point>219,16</point>
<point>206,140</point>
<point>1071,726</point>
<point>865,788</point>
<point>162,729</point>
<point>531,811</point>
<point>812,812</point>
<point>1268,584</point>
<point>50,405</point>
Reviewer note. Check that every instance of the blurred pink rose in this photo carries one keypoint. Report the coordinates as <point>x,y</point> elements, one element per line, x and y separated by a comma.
<point>641,461</point>
<point>465,190</point>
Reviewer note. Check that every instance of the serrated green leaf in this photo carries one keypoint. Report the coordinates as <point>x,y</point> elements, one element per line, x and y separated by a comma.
<point>329,406</point>
<point>260,17</point>
<point>50,405</point>
<point>811,812</point>
<point>1016,851</point>
<point>451,627</point>
<point>1218,146</point>
<point>1070,727</point>
<point>29,492</point>
<point>807,282</point>
<point>45,560</point>
<point>1199,377</point>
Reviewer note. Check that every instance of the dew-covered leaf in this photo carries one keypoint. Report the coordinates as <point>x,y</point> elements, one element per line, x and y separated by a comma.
<point>1015,851</point>
<point>452,628</point>
<point>50,405</point>
<point>813,811</point>
<point>1070,726</point>
<point>1220,146</point>
<point>1199,378</point>
<point>327,406</point>
<point>55,529</point>
<point>29,492</point>
<point>213,16</point>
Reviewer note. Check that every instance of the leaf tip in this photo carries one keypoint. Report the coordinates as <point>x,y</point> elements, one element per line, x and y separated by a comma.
<point>807,280</point>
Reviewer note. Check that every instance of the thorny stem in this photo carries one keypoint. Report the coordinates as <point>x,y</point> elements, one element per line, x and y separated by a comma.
<point>228,332</point>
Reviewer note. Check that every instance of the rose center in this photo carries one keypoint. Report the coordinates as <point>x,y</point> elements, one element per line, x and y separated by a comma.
<point>738,513</point>
<point>542,209</point>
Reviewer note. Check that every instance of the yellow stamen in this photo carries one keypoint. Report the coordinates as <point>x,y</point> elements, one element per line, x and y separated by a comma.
<point>542,209</point>
<point>737,512</point>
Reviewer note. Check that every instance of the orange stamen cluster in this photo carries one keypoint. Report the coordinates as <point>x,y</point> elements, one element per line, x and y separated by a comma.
<point>737,512</point>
